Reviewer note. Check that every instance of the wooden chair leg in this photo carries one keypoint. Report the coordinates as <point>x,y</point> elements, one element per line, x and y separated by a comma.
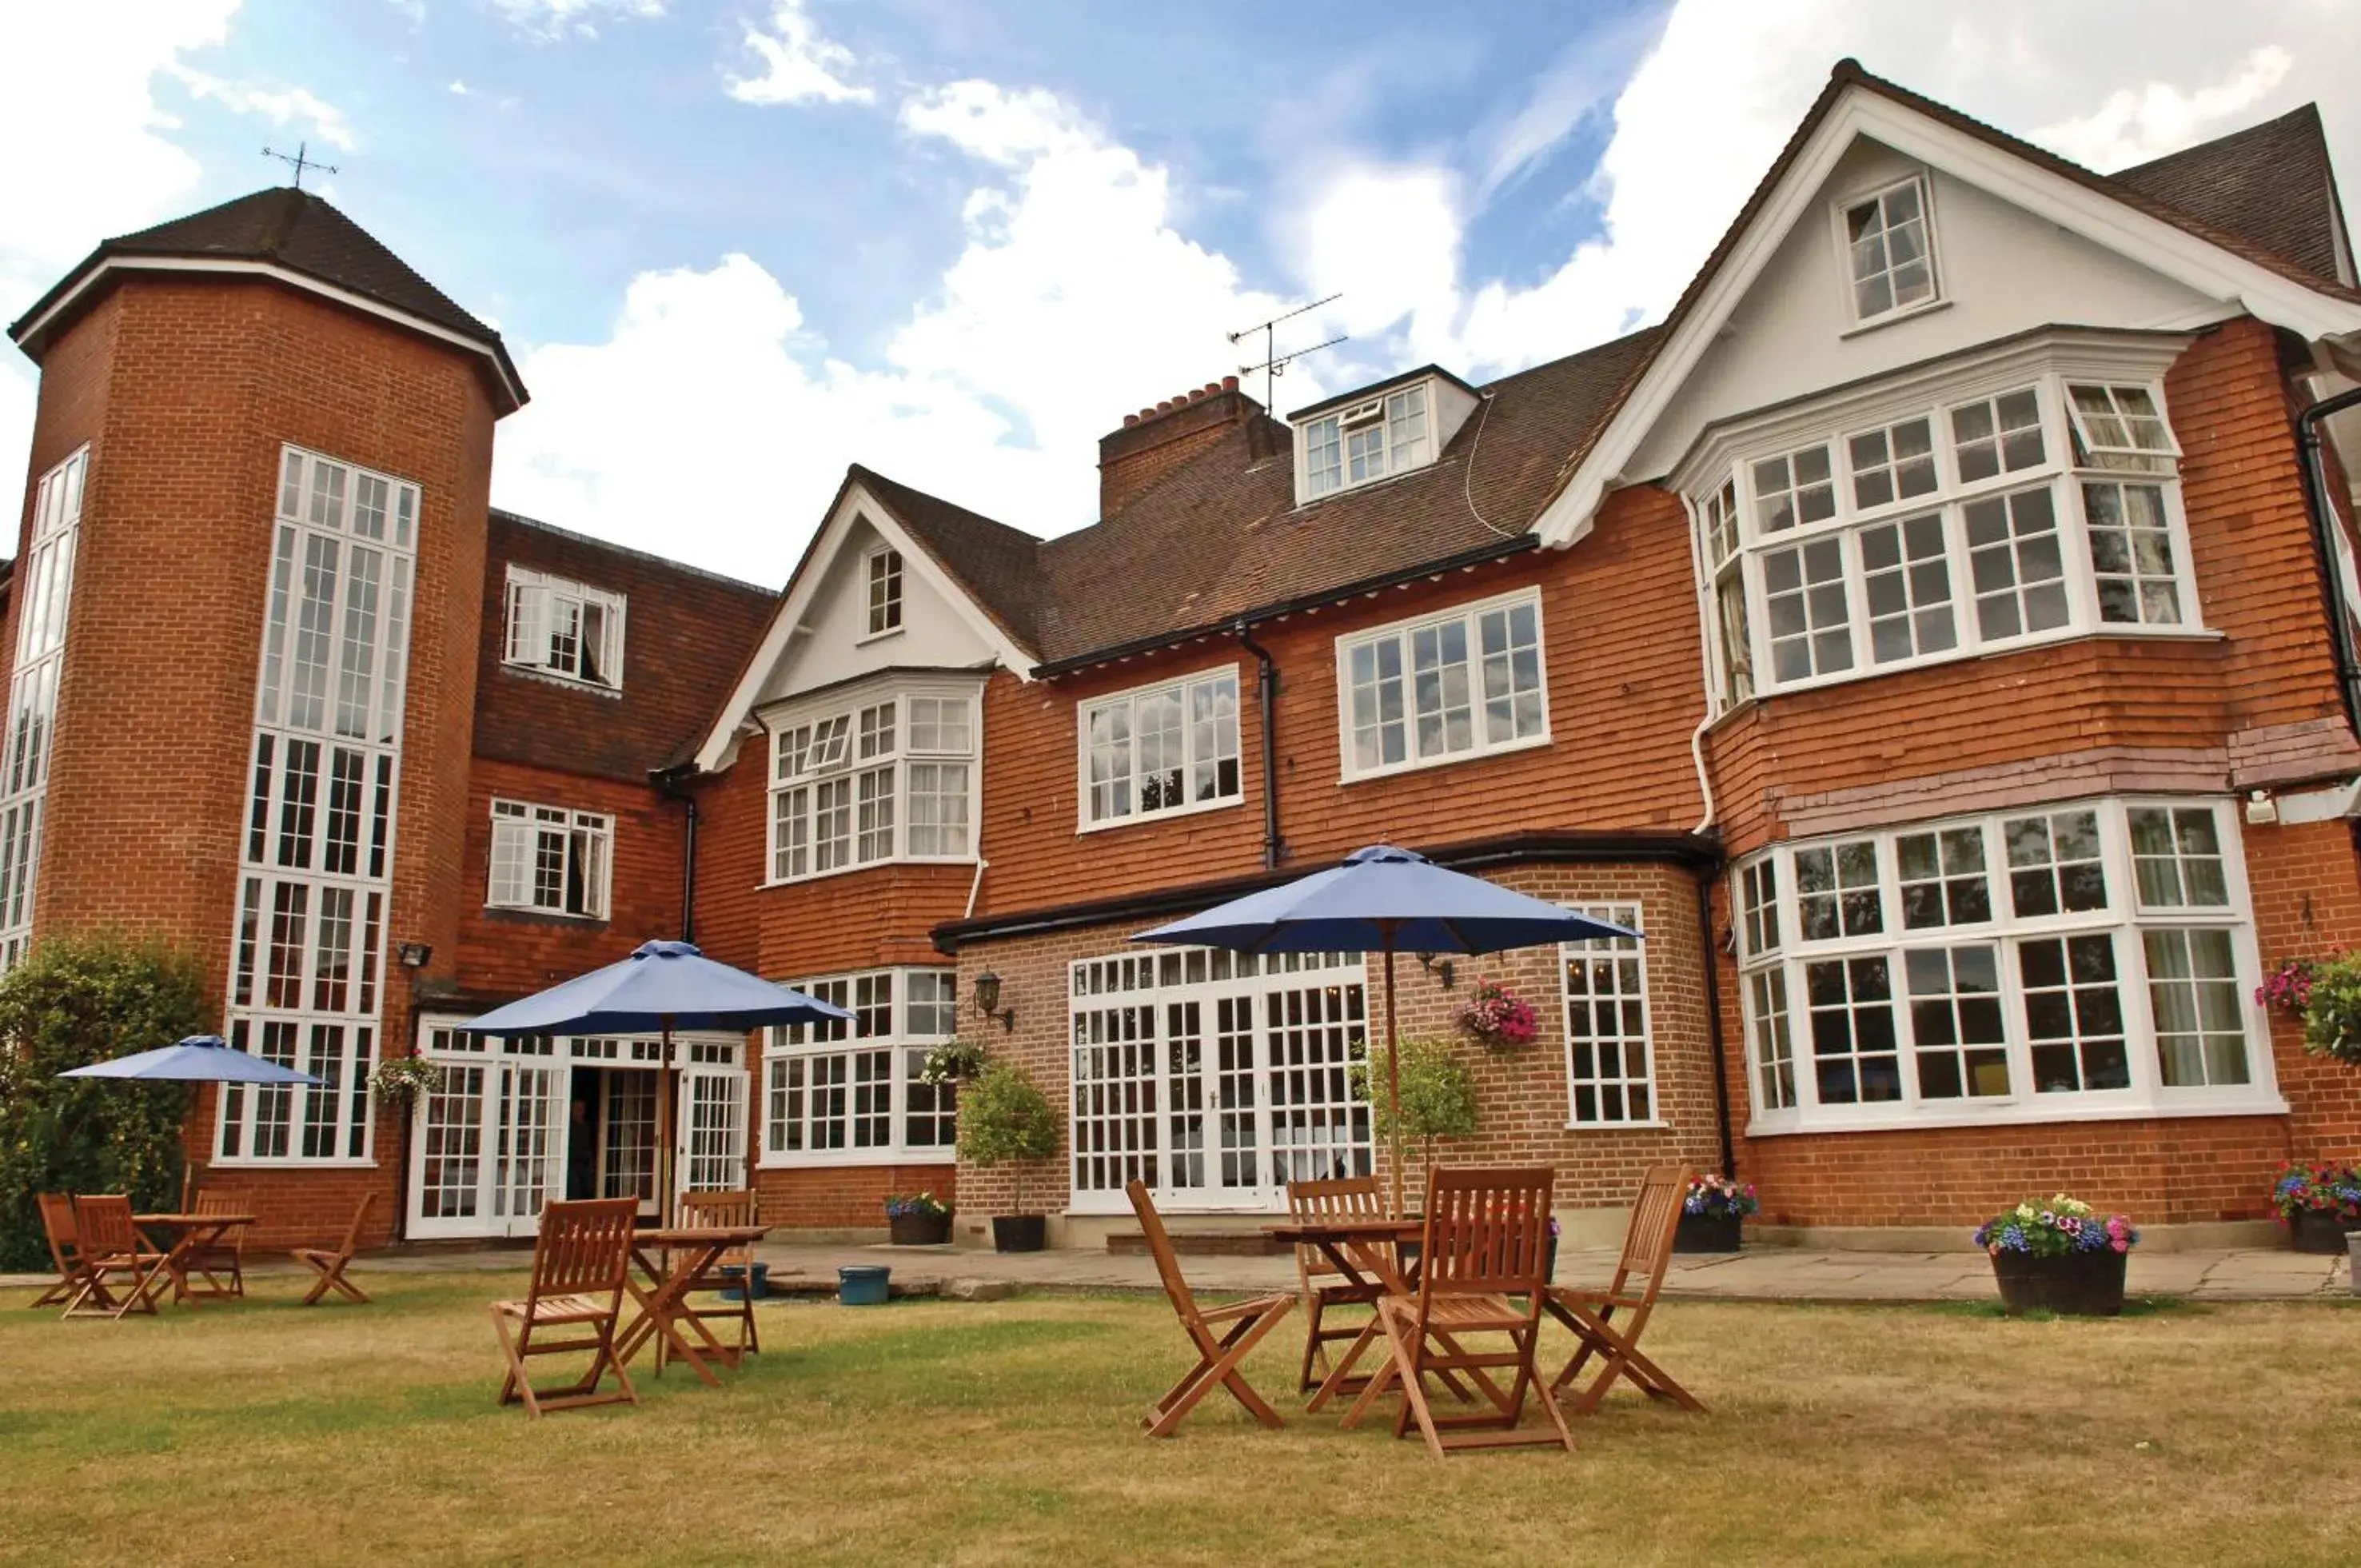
<point>1217,1364</point>
<point>516,1386</point>
<point>1314,1348</point>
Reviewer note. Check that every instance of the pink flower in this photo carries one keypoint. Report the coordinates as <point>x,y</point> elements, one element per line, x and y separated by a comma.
<point>2120,1244</point>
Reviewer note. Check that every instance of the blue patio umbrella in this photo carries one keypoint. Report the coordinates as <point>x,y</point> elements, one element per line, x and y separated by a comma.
<point>1384,900</point>
<point>198,1058</point>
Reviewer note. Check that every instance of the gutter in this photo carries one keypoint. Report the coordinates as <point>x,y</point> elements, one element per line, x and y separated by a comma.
<point>1714,1041</point>
<point>2318,501</point>
<point>1274,848</point>
<point>667,781</point>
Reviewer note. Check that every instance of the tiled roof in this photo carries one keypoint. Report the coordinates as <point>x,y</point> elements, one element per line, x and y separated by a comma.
<point>998,565</point>
<point>2271,185</point>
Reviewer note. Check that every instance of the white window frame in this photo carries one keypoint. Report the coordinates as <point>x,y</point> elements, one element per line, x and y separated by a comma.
<point>518,827</point>
<point>820,761</point>
<point>1841,228</point>
<point>1129,701</point>
<point>881,616</point>
<point>1621,953</point>
<point>1402,633</point>
<point>2123,919</point>
<point>791,1055</point>
<point>528,630</point>
<point>1730,459</point>
<point>1386,416</point>
<point>44,590</point>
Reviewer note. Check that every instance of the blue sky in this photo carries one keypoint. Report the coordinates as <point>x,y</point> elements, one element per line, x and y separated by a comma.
<point>735,245</point>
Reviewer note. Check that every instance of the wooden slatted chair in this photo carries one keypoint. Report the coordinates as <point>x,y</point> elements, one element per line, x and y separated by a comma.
<point>124,1271</point>
<point>1241,1325</point>
<point>329,1262</point>
<point>701,1209</point>
<point>1638,1277</point>
<point>223,1263</point>
<point>1485,1241</point>
<point>65,1249</point>
<point>581,1262</point>
<point>1321,1284</point>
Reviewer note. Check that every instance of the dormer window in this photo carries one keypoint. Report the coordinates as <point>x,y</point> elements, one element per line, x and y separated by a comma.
<point>1890,244</point>
<point>884,591</point>
<point>564,629</point>
<point>1368,440</point>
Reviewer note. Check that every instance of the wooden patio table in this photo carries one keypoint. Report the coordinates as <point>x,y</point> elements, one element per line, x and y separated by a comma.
<point>191,1234</point>
<point>672,1260</point>
<point>1364,1250</point>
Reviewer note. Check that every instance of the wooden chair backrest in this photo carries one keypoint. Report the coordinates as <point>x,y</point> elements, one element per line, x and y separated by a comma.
<point>715,1209</point>
<point>1159,1247</point>
<point>1486,1232</point>
<point>1344,1196</point>
<point>352,1231</point>
<point>224,1201</point>
<point>1648,1244</point>
<point>584,1248</point>
<point>103,1222</point>
<point>65,1236</point>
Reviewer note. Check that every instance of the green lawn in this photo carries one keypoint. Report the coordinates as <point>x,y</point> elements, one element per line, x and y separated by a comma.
<point>1004,1433</point>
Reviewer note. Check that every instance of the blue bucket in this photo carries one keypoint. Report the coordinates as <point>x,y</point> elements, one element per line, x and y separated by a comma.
<point>759,1288</point>
<point>863,1286</point>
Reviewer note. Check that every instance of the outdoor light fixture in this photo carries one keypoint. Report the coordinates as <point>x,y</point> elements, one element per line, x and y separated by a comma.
<point>1444,971</point>
<point>415,954</point>
<point>987,1000</point>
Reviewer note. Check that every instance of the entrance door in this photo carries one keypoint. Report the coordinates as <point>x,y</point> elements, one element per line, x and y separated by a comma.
<point>627,1153</point>
<point>486,1149</point>
<point>711,1129</point>
<point>529,1150</point>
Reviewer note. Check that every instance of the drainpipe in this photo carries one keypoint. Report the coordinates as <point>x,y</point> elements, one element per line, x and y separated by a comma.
<point>1713,1024</point>
<point>668,784</point>
<point>1274,848</point>
<point>2317,501</point>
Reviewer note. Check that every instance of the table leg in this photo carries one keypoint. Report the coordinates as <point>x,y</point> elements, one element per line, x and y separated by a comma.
<point>659,1314</point>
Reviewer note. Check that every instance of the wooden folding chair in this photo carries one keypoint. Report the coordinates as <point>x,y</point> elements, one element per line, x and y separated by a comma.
<point>1647,1254</point>
<point>1243,1324</point>
<point>227,1257</point>
<point>1485,1241</point>
<point>329,1262</point>
<point>1320,1282</point>
<point>700,1210</point>
<point>581,1264</point>
<point>65,1249</point>
<point>124,1272</point>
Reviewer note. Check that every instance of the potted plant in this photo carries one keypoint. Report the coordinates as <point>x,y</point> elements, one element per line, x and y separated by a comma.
<point>1712,1213</point>
<point>2319,1204</point>
<point>1497,1018</point>
<point>2331,994</point>
<point>1003,1117</point>
<point>2058,1255</point>
<point>918,1219</point>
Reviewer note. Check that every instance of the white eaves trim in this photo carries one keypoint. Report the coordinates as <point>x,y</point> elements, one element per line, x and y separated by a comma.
<point>2165,248</point>
<point>857,504</point>
<point>293,279</point>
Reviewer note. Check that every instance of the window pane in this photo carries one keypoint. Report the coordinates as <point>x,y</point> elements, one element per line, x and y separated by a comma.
<point>2018,570</point>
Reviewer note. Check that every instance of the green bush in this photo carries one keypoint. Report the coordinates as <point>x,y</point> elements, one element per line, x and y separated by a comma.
<point>1004,1117</point>
<point>75,1000</point>
<point>2332,1012</point>
<point>1438,1092</point>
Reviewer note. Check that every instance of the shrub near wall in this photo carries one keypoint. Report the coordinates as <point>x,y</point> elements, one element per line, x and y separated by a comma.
<point>78,1000</point>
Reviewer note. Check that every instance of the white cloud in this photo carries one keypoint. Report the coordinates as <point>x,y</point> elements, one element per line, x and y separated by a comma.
<point>996,124</point>
<point>580,19</point>
<point>798,64</point>
<point>2158,117</point>
<point>286,106</point>
<point>460,89</point>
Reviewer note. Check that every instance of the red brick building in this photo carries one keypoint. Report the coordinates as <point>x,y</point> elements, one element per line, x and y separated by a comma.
<point>1930,638</point>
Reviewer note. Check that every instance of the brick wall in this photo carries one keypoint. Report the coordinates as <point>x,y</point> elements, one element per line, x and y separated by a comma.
<point>846,1197</point>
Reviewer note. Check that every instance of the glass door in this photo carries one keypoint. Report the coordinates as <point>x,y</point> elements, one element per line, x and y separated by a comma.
<point>627,1155</point>
<point>711,1128</point>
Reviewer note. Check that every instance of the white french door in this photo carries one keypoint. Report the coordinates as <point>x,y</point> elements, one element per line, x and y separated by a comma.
<point>488,1148</point>
<point>710,1127</point>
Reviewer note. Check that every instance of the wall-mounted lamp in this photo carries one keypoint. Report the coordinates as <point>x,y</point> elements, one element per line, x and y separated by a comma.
<point>415,954</point>
<point>987,1000</point>
<point>1440,969</point>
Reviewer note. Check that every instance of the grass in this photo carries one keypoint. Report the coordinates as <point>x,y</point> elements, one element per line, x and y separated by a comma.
<point>1004,1433</point>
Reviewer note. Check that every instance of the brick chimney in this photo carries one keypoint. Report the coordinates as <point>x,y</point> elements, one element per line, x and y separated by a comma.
<point>1155,441</point>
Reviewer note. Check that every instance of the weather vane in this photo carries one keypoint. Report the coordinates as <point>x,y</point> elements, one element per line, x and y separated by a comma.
<point>299,163</point>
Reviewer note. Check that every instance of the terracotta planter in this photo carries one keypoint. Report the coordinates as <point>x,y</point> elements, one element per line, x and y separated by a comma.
<point>2077,1284</point>
<point>919,1230</point>
<point>2317,1231</point>
<point>1020,1233</point>
<point>1707,1233</point>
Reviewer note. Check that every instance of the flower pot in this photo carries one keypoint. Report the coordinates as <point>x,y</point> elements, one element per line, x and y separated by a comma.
<point>862,1286</point>
<point>1020,1233</point>
<point>2075,1285</point>
<point>2352,1251</point>
<point>1707,1233</point>
<point>2318,1230</point>
<point>919,1230</point>
<point>759,1288</point>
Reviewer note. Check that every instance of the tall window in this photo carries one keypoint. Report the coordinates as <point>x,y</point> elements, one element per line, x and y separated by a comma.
<point>316,860</point>
<point>547,858</point>
<point>1610,1071</point>
<point>559,628</point>
<point>44,585</point>
<point>2091,958</point>
<point>1368,441</point>
<point>852,1094</point>
<point>1163,749</point>
<point>1889,249</point>
<point>884,582</point>
<point>891,779</point>
<point>1459,684</point>
<point>2045,510</point>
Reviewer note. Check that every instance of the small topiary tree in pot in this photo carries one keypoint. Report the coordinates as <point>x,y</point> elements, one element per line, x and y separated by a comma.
<point>1004,1118</point>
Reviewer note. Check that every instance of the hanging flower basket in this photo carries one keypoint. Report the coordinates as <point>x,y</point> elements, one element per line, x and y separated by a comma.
<point>1497,1018</point>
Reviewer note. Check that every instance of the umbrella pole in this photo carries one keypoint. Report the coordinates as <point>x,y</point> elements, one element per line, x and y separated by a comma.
<point>1393,1081</point>
<point>665,1153</point>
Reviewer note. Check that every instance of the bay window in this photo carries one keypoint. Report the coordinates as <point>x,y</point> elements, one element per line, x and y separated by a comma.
<point>1159,749</point>
<point>1466,683</point>
<point>891,777</point>
<point>2089,958</point>
<point>2046,506</point>
<point>851,1091</point>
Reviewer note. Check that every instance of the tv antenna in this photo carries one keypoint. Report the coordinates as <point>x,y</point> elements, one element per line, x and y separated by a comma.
<point>1274,364</point>
<point>301,161</point>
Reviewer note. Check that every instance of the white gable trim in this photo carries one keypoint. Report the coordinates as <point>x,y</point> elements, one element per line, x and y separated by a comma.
<point>2165,248</point>
<point>858,504</point>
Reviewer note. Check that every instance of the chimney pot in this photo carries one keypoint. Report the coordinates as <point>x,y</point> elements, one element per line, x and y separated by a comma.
<point>1130,420</point>
<point>1196,394</point>
<point>1229,383</point>
<point>1212,387</point>
<point>1165,407</point>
